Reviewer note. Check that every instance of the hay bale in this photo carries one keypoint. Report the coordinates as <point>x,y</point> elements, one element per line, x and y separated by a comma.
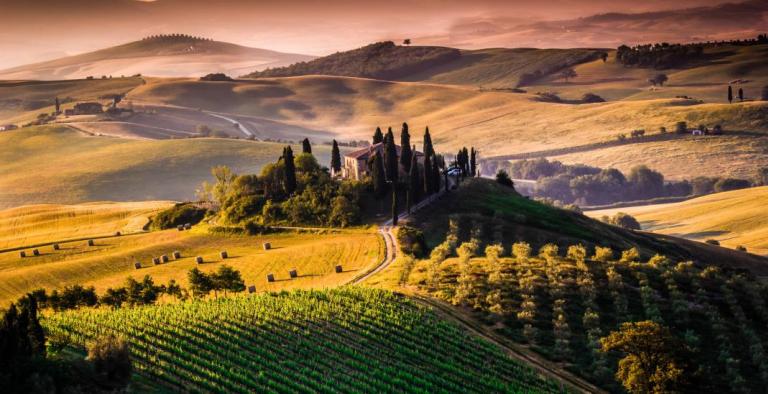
<point>90,242</point>
<point>224,254</point>
<point>176,255</point>
<point>267,246</point>
<point>137,265</point>
<point>155,261</point>
<point>187,226</point>
<point>22,254</point>
<point>117,234</point>
<point>293,274</point>
<point>164,258</point>
<point>55,246</point>
<point>251,289</point>
<point>199,260</point>
<point>35,252</point>
<point>180,227</point>
<point>339,269</point>
<point>270,278</point>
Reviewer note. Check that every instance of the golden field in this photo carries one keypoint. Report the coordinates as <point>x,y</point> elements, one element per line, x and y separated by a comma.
<point>733,218</point>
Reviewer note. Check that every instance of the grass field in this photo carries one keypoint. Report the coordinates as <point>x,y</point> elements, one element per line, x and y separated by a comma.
<point>34,224</point>
<point>715,156</point>
<point>733,218</point>
<point>57,164</point>
<point>110,261</point>
<point>342,340</point>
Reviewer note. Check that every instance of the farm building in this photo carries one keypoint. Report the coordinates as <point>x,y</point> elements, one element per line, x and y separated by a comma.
<point>355,164</point>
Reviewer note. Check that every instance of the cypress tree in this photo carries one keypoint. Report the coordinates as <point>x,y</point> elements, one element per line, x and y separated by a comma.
<point>730,94</point>
<point>473,163</point>
<point>435,174</point>
<point>390,157</point>
<point>335,157</point>
<point>741,94</point>
<point>428,183</point>
<point>428,149</point>
<point>306,147</point>
<point>290,171</point>
<point>394,204</point>
<point>378,176</point>
<point>378,137</point>
<point>405,148</point>
<point>58,105</point>
<point>414,184</point>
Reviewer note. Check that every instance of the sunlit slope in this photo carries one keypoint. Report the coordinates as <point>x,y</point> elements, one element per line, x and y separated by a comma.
<point>733,218</point>
<point>111,260</point>
<point>714,156</point>
<point>35,224</point>
<point>705,79</point>
<point>60,165</point>
<point>504,122</point>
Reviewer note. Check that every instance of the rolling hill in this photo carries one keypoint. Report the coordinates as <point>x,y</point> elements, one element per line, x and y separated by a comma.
<point>58,164</point>
<point>733,218</point>
<point>499,68</point>
<point>167,55</point>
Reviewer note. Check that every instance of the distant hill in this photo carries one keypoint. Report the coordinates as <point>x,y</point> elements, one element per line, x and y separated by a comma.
<point>733,218</point>
<point>165,56</point>
<point>384,60</point>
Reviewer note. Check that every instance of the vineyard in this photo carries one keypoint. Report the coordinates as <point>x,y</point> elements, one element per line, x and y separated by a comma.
<point>342,340</point>
<point>561,302</point>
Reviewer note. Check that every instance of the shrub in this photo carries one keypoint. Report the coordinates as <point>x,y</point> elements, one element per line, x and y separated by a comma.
<point>590,98</point>
<point>181,213</point>
<point>216,77</point>
<point>713,242</point>
<point>741,248</point>
<point>681,128</point>
<point>727,184</point>
<point>412,241</point>
<point>111,360</point>
<point>503,178</point>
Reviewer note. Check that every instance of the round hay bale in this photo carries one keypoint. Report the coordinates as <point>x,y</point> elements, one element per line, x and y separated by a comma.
<point>339,269</point>
<point>270,278</point>
<point>155,261</point>
<point>224,254</point>
<point>180,227</point>
<point>164,258</point>
<point>251,289</point>
<point>22,254</point>
<point>199,260</point>
<point>55,246</point>
<point>187,226</point>
<point>90,242</point>
<point>293,274</point>
<point>267,246</point>
<point>177,255</point>
<point>137,265</point>
<point>35,252</point>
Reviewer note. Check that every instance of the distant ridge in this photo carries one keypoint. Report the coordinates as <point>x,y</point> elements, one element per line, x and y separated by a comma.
<point>168,55</point>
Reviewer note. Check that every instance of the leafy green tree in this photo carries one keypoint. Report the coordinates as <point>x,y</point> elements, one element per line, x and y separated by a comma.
<point>114,298</point>
<point>405,148</point>
<point>378,136</point>
<point>335,157</point>
<point>568,73</point>
<point>289,182</point>
<point>343,212</point>
<point>681,128</point>
<point>227,279</point>
<point>502,177</point>
<point>111,359</point>
<point>199,282</point>
<point>306,147</point>
<point>649,364</point>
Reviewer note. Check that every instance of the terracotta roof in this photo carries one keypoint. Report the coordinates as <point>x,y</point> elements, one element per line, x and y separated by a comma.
<point>364,154</point>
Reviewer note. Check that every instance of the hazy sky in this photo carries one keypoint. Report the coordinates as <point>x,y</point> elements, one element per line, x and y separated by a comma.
<point>34,30</point>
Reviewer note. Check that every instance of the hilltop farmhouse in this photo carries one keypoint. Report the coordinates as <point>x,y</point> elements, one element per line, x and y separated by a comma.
<point>356,166</point>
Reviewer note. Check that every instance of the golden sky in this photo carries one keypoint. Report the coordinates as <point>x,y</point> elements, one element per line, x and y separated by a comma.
<point>35,30</point>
